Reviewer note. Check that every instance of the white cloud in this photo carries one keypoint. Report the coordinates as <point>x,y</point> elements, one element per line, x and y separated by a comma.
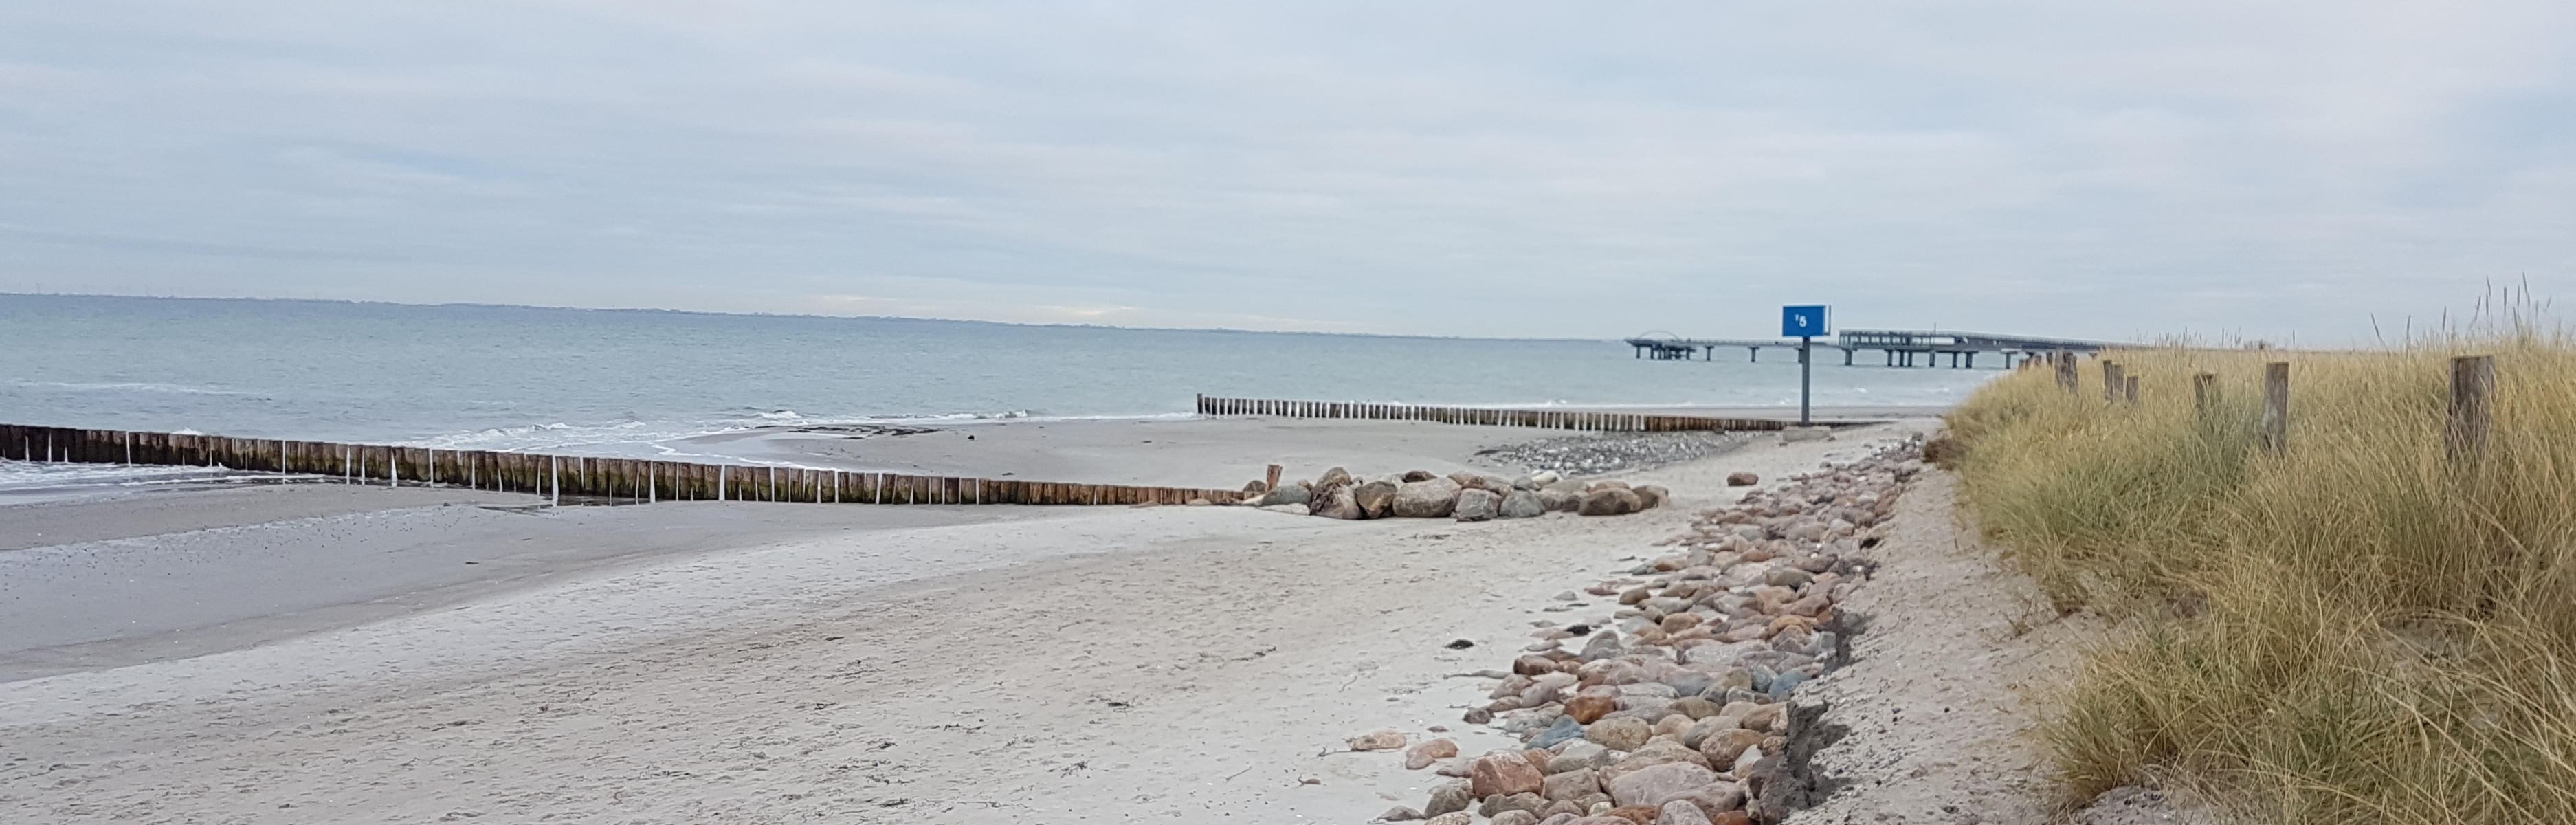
<point>1485,168</point>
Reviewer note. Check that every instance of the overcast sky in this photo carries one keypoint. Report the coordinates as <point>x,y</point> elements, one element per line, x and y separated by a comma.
<point>2099,169</point>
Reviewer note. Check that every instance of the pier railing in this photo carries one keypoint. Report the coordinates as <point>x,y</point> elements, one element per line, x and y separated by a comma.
<point>614,479</point>
<point>1491,417</point>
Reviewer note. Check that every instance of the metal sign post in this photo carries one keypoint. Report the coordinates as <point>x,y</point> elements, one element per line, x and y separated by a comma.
<point>1806,322</point>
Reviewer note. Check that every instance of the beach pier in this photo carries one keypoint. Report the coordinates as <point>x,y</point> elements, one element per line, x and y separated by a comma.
<point>584,479</point>
<point>1899,348</point>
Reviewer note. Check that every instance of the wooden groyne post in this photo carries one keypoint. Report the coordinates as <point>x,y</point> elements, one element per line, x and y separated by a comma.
<point>2464,434</point>
<point>554,477</point>
<point>2276,407</point>
<point>1490,417</point>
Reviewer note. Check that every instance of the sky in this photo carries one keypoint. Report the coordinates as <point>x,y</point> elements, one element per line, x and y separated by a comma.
<point>2108,170</point>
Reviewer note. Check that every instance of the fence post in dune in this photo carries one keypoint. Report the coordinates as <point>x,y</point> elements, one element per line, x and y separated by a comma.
<point>2065,363</point>
<point>1271,481</point>
<point>2130,388</point>
<point>2472,409</point>
<point>2276,407</point>
<point>2204,395</point>
<point>2112,380</point>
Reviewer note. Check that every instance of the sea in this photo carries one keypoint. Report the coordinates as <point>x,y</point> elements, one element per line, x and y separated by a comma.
<point>628,382</point>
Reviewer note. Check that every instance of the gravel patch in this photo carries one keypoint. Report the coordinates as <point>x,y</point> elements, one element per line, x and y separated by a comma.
<point>1594,454</point>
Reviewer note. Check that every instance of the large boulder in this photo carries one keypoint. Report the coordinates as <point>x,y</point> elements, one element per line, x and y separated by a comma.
<point>1477,505</point>
<point>1290,493</point>
<point>1523,504</point>
<point>1333,477</point>
<point>1376,499</point>
<point>1430,498</point>
<point>1609,501</point>
<point>1650,496</point>
<point>1340,503</point>
<point>1419,475</point>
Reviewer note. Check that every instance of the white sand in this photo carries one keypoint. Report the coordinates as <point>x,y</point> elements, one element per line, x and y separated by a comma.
<point>1079,665</point>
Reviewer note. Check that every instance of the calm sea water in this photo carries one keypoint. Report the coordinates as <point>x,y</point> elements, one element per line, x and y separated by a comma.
<point>616,381</point>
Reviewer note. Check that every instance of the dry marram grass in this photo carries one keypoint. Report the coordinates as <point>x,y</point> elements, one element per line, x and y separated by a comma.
<point>2355,629</point>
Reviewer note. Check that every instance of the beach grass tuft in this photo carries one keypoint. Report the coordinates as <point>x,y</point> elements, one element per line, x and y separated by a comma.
<point>2357,628</point>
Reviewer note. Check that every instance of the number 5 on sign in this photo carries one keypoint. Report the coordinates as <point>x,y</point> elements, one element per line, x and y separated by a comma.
<point>1802,321</point>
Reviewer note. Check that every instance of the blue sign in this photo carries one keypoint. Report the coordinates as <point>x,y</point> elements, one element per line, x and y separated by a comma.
<point>1801,321</point>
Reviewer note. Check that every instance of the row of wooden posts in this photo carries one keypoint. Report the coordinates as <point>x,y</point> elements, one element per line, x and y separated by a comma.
<point>1546,419</point>
<point>612,479</point>
<point>2464,435</point>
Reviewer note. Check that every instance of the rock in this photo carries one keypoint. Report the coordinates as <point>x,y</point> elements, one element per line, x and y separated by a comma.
<point>1375,499</point>
<point>1448,797</point>
<point>1422,755</point>
<point>1430,498</point>
<point>1654,785</point>
<point>1477,505</point>
<point>1741,478</point>
<point>1411,476</point>
<point>1399,813</point>
<point>1723,747</point>
<point>1477,716</point>
<point>1694,707</point>
<point>1603,646</point>
<point>1453,818</point>
<point>1783,684</point>
<point>1731,818</point>
<point>1288,494</point>
<point>1650,496</point>
<point>1557,501</point>
<point>1335,477</point>
<point>1528,803</point>
<point>1589,709</point>
<point>1341,503</point>
<point>1612,501</point>
<point>1679,812</point>
<point>1506,773</point>
<point>1604,819</point>
<point>1572,784</point>
<point>1543,478</point>
<point>1567,727</point>
<point>1385,740</point>
<point>1768,719</point>
<point>1713,801</point>
<point>1523,504</point>
<point>1578,755</point>
<point>1621,733</point>
<point>1515,817</point>
<point>1636,814</point>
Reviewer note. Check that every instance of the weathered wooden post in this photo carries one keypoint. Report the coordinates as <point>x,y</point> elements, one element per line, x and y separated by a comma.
<point>2065,363</point>
<point>2204,395</point>
<point>2112,381</point>
<point>2276,407</point>
<point>2130,389</point>
<point>2472,408</point>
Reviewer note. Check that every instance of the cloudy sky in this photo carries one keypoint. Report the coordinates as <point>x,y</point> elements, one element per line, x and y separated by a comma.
<point>2100,169</point>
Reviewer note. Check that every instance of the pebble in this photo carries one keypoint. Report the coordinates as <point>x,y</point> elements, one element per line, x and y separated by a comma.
<point>1422,755</point>
<point>1614,452</point>
<point>1385,740</point>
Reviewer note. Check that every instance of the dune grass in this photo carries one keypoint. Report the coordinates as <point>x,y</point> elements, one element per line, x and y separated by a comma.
<point>2354,630</point>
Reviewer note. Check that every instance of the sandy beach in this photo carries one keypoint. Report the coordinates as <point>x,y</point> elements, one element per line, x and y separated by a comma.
<point>743,662</point>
